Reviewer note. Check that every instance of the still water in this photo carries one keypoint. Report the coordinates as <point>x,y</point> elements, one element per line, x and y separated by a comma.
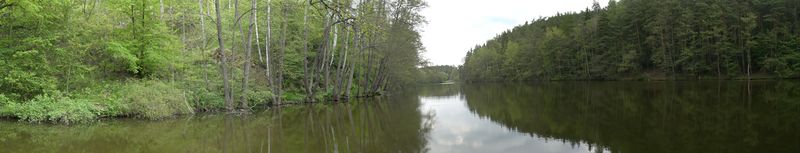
<point>557,117</point>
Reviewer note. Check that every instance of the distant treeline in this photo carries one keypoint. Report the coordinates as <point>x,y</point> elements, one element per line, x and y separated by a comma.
<point>437,74</point>
<point>648,39</point>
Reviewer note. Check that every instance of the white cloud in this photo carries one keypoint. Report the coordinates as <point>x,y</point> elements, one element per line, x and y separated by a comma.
<point>455,26</point>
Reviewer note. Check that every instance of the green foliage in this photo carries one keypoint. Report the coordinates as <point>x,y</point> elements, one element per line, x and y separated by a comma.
<point>106,98</point>
<point>155,99</point>
<point>259,97</point>
<point>114,58</point>
<point>121,54</point>
<point>294,96</point>
<point>5,103</point>
<point>25,44</point>
<point>654,39</point>
<point>437,74</point>
<point>55,108</point>
<point>206,100</point>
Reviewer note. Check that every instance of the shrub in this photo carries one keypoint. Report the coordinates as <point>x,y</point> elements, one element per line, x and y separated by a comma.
<point>4,106</point>
<point>107,99</point>
<point>155,100</point>
<point>294,96</point>
<point>260,97</point>
<point>207,100</point>
<point>54,108</point>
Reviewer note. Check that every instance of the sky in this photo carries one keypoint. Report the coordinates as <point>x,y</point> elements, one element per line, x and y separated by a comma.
<point>455,26</point>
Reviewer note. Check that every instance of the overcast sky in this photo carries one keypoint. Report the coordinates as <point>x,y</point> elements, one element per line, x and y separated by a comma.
<point>455,26</point>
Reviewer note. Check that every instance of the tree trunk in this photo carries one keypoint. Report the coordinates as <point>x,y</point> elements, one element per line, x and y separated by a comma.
<point>332,52</point>
<point>306,79</point>
<point>267,63</point>
<point>356,45</point>
<point>378,76</point>
<point>258,39</point>
<point>349,85</point>
<point>247,59</point>
<point>319,60</point>
<point>367,79</point>
<point>284,35</point>
<point>340,71</point>
<point>749,64</point>
<point>202,23</point>
<point>205,41</point>
<point>228,99</point>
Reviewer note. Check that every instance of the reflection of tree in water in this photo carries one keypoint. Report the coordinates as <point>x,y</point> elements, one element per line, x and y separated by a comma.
<point>649,117</point>
<point>392,124</point>
<point>437,90</point>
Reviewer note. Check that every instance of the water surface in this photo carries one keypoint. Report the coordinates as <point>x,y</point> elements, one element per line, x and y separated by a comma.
<point>556,117</point>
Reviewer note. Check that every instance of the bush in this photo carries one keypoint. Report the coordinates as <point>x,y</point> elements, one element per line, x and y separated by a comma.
<point>260,97</point>
<point>106,98</point>
<point>4,106</point>
<point>294,96</point>
<point>54,108</point>
<point>155,100</point>
<point>207,100</point>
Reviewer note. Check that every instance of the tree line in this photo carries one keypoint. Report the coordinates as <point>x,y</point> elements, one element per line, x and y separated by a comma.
<point>215,54</point>
<point>648,39</point>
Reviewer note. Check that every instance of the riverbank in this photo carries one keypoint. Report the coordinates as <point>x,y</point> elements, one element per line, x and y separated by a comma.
<point>150,100</point>
<point>147,100</point>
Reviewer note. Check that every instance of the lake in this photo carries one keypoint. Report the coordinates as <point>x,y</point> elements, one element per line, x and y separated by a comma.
<point>545,117</point>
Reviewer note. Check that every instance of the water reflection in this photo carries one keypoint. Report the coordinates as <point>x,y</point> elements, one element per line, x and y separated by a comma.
<point>631,117</point>
<point>457,129</point>
<point>380,125</point>
<point>557,117</point>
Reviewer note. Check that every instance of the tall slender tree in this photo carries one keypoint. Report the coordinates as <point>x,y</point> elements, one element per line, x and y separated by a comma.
<point>223,60</point>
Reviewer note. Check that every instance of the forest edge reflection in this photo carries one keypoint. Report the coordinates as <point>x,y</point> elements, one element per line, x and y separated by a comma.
<point>622,117</point>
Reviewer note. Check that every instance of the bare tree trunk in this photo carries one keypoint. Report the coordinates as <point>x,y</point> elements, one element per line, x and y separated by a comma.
<point>339,72</point>
<point>202,23</point>
<point>331,58</point>
<point>247,60</point>
<point>284,35</point>
<point>307,75</point>
<point>356,45</point>
<point>258,39</point>
<point>234,37</point>
<point>223,59</point>
<point>349,85</point>
<point>205,41</point>
<point>367,79</point>
<point>749,64</point>
<point>379,76</point>
<point>319,60</point>
<point>268,66</point>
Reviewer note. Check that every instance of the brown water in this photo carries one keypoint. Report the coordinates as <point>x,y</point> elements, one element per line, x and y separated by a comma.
<point>561,117</point>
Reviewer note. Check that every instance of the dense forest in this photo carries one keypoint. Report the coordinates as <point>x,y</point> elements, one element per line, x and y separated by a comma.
<point>648,40</point>
<point>78,60</point>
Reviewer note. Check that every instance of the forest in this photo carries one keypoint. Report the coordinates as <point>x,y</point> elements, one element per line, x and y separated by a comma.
<point>647,40</point>
<point>71,61</point>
